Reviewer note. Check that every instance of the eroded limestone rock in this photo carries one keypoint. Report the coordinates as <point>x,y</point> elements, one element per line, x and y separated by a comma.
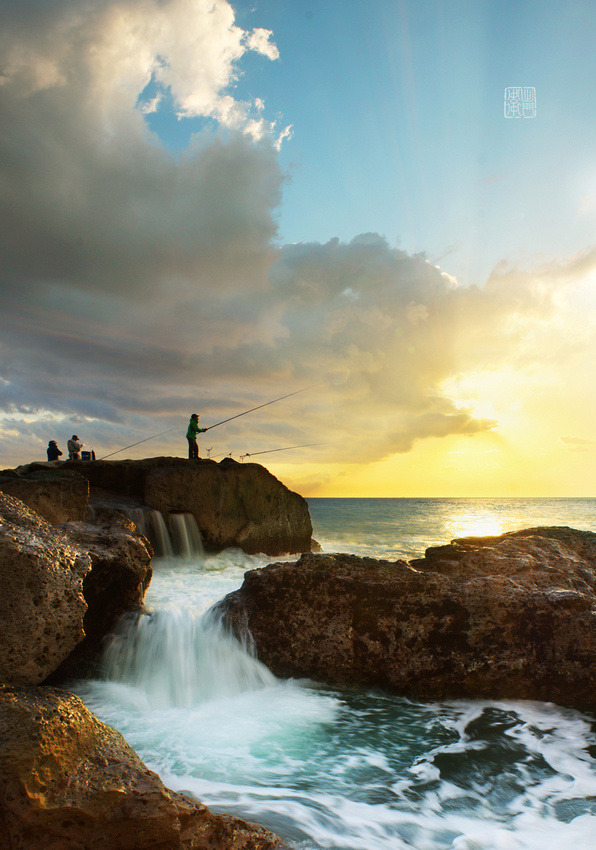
<point>69,781</point>
<point>41,594</point>
<point>502,617</point>
<point>234,504</point>
<point>116,584</point>
<point>63,589</point>
<point>57,494</point>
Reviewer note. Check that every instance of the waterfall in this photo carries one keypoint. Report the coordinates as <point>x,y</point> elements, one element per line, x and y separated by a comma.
<point>183,538</point>
<point>151,524</point>
<point>178,657</point>
<point>186,536</point>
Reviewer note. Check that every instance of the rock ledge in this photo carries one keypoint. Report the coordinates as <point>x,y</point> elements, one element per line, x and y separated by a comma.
<point>502,617</point>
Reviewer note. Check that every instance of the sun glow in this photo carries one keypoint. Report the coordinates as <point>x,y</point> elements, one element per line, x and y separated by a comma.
<point>490,394</point>
<point>474,524</point>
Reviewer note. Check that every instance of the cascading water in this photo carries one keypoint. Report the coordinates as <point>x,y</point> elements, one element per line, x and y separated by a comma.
<point>179,657</point>
<point>151,524</point>
<point>186,537</point>
<point>341,770</point>
<point>182,538</point>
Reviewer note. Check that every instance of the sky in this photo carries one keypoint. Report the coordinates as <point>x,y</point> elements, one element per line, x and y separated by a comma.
<point>206,206</point>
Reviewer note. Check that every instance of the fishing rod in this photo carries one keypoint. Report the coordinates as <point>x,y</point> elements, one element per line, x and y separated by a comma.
<point>284,449</point>
<point>139,443</point>
<point>281,398</point>
<point>153,436</point>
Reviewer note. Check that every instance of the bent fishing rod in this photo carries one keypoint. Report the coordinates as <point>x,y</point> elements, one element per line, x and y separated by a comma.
<point>281,398</point>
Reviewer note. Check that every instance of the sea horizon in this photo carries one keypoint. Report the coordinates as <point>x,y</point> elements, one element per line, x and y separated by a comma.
<point>404,527</point>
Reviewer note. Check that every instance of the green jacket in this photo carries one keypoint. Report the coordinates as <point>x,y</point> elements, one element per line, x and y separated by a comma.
<point>193,430</point>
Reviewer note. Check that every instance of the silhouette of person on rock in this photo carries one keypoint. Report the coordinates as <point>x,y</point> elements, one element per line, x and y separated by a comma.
<point>191,436</point>
<point>53,451</point>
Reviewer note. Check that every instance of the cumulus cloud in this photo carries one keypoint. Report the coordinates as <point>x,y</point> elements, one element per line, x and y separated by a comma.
<point>120,260</point>
<point>106,53</point>
<point>138,285</point>
<point>386,332</point>
<point>89,198</point>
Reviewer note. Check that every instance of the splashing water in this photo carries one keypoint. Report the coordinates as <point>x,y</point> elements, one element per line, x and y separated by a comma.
<point>178,658</point>
<point>345,770</point>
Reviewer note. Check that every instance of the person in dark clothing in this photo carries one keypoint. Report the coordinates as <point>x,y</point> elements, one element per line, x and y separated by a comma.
<point>53,451</point>
<point>191,435</point>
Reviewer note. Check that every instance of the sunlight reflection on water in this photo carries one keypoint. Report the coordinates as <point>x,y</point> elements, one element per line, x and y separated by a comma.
<point>474,524</point>
<point>405,528</point>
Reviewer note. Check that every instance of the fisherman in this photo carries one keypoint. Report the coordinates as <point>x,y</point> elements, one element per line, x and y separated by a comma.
<point>53,451</point>
<point>74,447</point>
<point>191,436</point>
<point>192,433</point>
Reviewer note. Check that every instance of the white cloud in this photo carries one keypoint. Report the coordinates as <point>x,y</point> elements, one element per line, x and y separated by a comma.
<point>106,53</point>
<point>260,40</point>
<point>416,313</point>
<point>138,285</point>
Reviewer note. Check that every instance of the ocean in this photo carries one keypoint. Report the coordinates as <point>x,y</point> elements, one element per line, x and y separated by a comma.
<point>347,769</point>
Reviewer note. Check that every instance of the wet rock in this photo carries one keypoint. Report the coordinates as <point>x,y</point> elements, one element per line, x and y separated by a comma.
<point>57,494</point>
<point>235,505</point>
<point>116,584</point>
<point>104,506</point>
<point>69,781</point>
<point>63,589</point>
<point>41,598</point>
<point>503,617</point>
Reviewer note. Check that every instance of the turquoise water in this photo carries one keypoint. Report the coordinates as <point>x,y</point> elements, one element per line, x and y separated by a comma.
<point>347,770</point>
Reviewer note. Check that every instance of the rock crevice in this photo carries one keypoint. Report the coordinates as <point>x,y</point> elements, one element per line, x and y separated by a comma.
<point>67,780</point>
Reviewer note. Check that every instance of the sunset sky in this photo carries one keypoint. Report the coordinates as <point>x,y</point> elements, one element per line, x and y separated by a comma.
<point>208,205</point>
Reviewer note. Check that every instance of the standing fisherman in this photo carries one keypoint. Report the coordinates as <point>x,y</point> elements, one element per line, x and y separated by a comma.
<point>74,447</point>
<point>196,430</point>
<point>191,436</point>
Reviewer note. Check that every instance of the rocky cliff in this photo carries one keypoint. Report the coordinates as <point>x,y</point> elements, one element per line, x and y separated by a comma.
<point>41,602</point>
<point>234,504</point>
<point>56,494</point>
<point>502,617</point>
